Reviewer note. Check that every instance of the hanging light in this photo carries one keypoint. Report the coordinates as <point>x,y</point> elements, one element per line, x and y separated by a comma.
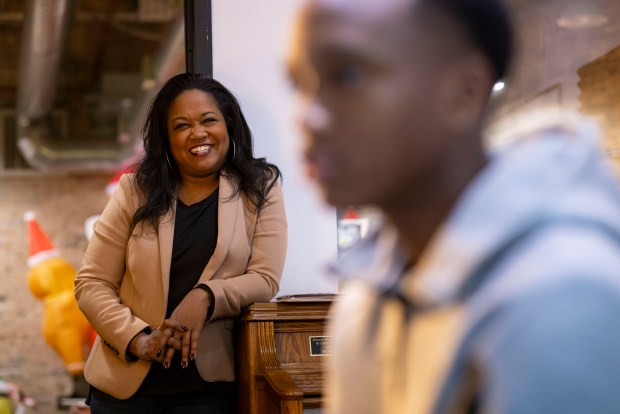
<point>582,14</point>
<point>499,86</point>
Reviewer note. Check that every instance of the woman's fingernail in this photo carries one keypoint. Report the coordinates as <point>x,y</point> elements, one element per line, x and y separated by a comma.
<point>165,365</point>
<point>184,364</point>
<point>159,352</point>
<point>184,328</point>
<point>192,356</point>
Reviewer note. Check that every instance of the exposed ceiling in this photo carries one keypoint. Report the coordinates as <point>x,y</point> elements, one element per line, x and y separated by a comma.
<point>111,45</point>
<point>106,36</point>
<point>120,36</point>
<point>78,117</point>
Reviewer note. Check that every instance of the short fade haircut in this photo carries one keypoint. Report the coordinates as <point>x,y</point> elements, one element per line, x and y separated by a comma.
<point>488,24</point>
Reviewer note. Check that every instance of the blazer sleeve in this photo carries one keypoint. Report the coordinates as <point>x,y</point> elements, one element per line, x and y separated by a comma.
<point>261,281</point>
<point>98,283</point>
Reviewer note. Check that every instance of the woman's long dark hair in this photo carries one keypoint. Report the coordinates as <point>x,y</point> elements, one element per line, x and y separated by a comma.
<point>157,175</point>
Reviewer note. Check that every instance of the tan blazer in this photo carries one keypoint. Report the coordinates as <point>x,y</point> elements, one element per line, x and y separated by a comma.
<point>122,286</point>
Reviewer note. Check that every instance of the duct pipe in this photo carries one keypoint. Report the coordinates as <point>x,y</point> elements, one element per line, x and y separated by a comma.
<point>45,32</point>
<point>43,41</point>
<point>169,61</point>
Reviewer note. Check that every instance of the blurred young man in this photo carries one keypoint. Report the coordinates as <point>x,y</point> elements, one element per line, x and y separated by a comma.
<point>494,286</point>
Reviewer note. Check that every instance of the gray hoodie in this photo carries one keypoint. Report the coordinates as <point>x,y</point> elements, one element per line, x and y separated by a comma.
<point>513,308</point>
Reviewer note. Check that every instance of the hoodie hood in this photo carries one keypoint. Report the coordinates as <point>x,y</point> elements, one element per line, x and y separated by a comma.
<point>551,172</point>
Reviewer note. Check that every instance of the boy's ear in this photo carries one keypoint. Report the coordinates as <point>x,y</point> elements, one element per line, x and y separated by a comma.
<point>467,90</point>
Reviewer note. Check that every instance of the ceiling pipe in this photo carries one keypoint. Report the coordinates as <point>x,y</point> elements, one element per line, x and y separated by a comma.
<point>169,61</point>
<point>43,42</point>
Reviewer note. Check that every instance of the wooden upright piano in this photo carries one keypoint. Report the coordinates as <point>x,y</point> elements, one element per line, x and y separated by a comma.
<point>280,352</point>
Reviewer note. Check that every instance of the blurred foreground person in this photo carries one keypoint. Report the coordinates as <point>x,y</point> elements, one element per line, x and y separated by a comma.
<point>494,286</point>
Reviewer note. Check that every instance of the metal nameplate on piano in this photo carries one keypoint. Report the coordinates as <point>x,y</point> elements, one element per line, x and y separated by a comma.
<point>320,345</point>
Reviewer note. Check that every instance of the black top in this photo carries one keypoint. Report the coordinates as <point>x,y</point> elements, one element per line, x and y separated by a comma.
<point>195,236</point>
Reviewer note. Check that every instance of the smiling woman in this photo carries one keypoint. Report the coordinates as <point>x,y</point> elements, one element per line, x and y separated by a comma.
<point>197,233</point>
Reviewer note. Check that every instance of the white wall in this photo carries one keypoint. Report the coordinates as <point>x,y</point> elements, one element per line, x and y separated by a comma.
<point>250,39</point>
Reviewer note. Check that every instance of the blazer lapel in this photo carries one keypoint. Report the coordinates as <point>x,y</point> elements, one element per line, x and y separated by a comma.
<point>166,235</point>
<point>226,221</point>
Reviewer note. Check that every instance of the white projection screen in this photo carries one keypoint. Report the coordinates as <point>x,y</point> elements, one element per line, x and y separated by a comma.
<point>250,41</point>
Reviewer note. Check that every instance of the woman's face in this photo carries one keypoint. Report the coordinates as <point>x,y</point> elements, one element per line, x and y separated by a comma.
<point>198,134</point>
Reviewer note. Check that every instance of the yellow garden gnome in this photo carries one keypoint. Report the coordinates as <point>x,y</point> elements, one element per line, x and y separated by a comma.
<point>65,328</point>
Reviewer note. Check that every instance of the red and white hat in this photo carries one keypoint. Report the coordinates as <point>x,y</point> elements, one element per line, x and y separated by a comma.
<point>41,247</point>
<point>113,183</point>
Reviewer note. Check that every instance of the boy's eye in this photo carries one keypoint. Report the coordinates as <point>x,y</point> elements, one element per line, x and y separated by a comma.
<point>351,75</point>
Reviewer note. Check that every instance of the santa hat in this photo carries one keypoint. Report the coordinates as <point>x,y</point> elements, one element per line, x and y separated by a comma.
<point>113,183</point>
<point>41,247</point>
<point>350,214</point>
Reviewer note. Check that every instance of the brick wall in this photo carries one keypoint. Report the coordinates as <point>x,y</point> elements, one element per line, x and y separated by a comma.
<point>62,205</point>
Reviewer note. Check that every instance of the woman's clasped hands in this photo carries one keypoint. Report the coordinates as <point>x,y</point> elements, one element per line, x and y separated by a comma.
<point>180,332</point>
